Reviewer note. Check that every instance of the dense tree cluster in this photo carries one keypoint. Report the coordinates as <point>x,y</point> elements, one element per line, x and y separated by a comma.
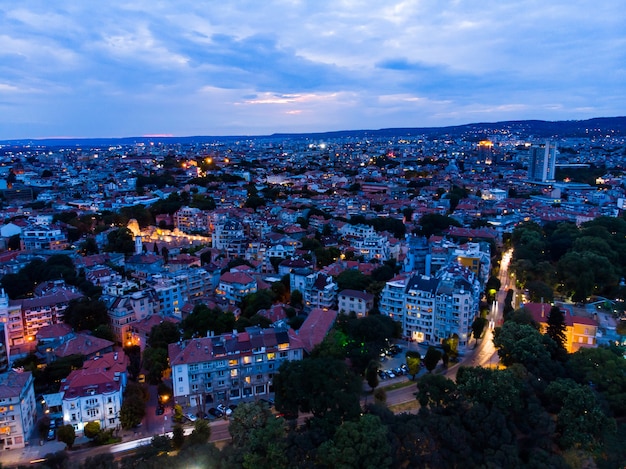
<point>575,262</point>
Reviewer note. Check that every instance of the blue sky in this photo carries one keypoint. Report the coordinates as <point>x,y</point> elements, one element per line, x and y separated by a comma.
<point>246,67</point>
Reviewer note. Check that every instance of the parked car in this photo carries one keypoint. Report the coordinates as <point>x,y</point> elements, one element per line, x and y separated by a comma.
<point>224,410</point>
<point>382,374</point>
<point>232,407</point>
<point>390,374</point>
<point>191,417</point>
<point>215,413</point>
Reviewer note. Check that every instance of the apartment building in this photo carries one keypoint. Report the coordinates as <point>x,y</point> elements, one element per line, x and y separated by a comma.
<point>433,308</point>
<point>354,301</point>
<point>230,367</point>
<point>25,317</point>
<point>95,392</point>
<point>18,411</point>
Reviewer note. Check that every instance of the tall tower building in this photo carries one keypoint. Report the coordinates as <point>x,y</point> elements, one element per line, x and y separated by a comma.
<point>542,163</point>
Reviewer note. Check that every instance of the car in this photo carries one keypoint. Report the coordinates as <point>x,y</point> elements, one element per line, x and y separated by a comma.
<point>399,371</point>
<point>232,407</point>
<point>51,434</point>
<point>382,374</point>
<point>390,374</point>
<point>191,417</point>
<point>160,410</point>
<point>224,410</point>
<point>215,413</point>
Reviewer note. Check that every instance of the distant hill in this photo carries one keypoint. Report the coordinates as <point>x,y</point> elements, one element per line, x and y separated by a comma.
<point>596,127</point>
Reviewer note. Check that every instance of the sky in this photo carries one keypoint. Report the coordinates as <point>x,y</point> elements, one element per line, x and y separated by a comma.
<point>246,67</point>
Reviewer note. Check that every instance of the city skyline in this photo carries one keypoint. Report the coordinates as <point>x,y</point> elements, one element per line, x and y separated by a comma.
<point>199,68</point>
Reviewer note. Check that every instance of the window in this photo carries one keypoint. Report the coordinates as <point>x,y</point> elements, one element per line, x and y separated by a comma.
<point>271,356</point>
<point>109,400</point>
<point>110,410</point>
<point>259,389</point>
<point>180,379</point>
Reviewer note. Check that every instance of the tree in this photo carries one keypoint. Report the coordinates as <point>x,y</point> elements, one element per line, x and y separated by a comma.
<point>89,246</point>
<point>556,327</point>
<point>523,344</point>
<point>478,327</point>
<point>92,429</point>
<point>258,437</point>
<point>435,391</point>
<point>120,240</point>
<point>360,444</point>
<point>371,374</point>
<point>133,353</point>
<point>580,419</point>
<point>352,279</point>
<point>201,433</point>
<point>67,435</point>
<point>413,361</point>
<point>431,358</point>
<point>86,314</point>
<point>178,436</point>
<point>296,299</point>
<point>104,331</point>
<point>163,334</point>
<point>325,387</point>
<point>133,408</point>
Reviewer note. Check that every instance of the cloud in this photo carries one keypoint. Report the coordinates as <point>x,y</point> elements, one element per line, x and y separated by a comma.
<point>145,67</point>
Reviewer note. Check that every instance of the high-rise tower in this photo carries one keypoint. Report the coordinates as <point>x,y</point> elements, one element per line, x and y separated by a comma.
<point>542,162</point>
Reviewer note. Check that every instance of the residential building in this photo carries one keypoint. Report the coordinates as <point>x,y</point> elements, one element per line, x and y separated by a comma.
<point>318,289</point>
<point>230,367</point>
<point>95,392</point>
<point>18,410</point>
<point>125,309</point>
<point>433,308</point>
<point>43,237</point>
<point>191,220</point>
<point>580,331</point>
<point>354,301</point>
<point>234,286</point>
<point>169,293</point>
<point>25,317</point>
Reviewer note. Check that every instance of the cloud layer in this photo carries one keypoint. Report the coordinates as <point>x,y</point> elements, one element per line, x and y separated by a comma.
<point>244,67</point>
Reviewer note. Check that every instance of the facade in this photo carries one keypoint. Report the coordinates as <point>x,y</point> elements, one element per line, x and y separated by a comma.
<point>229,367</point>
<point>580,332</point>
<point>542,163</point>
<point>95,392</point>
<point>169,293</point>
<point>25,317</point>
<point>318,290</point>
<point>191,220</point>
<point>433,308</point>
<point>125,309</point>
<point>234,286</point>
<point>43,237</point>
<point>353,301</point>
<point>18,410</point>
